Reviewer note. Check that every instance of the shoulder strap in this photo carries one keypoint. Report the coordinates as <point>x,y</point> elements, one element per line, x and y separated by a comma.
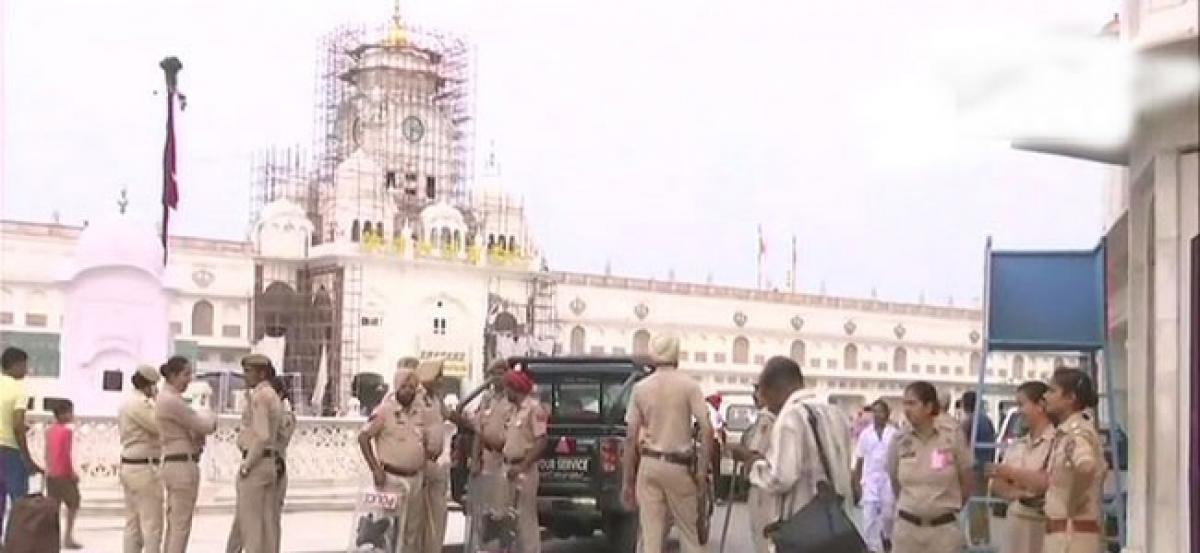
<point>812,424</point>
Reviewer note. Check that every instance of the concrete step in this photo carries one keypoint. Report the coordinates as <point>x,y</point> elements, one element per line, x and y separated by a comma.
<point>308,498</point>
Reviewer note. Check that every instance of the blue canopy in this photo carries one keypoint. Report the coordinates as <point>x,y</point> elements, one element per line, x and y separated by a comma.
<point>1046,300</point>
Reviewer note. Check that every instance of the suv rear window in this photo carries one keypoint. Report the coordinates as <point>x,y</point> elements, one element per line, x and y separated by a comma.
<point>577,394</point>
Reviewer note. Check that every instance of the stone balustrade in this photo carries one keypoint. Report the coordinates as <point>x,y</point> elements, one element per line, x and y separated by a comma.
<point>323,455</point>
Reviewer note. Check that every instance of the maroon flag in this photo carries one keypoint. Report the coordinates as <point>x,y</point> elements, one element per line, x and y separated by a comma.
<point>170,193</point>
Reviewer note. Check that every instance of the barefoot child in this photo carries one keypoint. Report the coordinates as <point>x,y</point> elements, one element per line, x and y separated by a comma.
<point>61,481</point>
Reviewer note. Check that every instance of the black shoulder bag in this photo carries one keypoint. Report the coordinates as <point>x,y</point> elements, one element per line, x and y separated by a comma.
<point>821,526</point>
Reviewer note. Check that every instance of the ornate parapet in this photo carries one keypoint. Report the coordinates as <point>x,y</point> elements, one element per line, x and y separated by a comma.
<point>323,451</point>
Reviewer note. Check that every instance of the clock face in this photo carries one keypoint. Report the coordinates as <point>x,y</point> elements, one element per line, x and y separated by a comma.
<point>413,128</point>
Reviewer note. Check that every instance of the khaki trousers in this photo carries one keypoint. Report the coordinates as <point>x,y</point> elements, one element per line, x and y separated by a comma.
<point>529,528</point>
<point>254,529</point>
<point>234,545</point>
<point>182,482</point>
<point>277,514</point>
<point>667,489</point>
<point>1023,534</point>
<point>910,538</point>
<point>143,508</point>
<point>437,480</point>
<point>411,508</point>
<point>1073,542</point>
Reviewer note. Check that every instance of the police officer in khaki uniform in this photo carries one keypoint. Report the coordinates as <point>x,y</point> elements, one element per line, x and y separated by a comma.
<point>487,423</point>
<point>182,432</point>
<point>396,442</point>
<point>437,468</point>
<point>141,457</point>
<point>1025,527</point>
<point>659,479</point>
<point>1074,481</point>
<point>287,427</point>
<point>524,443</point>
<point>930,469</point>
<point>253,527</point>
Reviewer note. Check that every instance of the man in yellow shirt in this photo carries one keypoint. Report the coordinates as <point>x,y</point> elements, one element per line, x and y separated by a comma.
<point>15,463</point>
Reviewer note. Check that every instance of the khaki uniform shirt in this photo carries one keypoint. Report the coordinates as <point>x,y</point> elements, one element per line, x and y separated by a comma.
<point>492,417</point>
<point>1030,453</point>
<point>260,423</point>
<point>432,403</point>
<point>139,430</point>
<point>526,423</point>
<point>1077,471</point>
<point>180,428</point>
<point>402,434</point>
<point>926,469</point>
<point>664,406</point>
<point>287,427</point>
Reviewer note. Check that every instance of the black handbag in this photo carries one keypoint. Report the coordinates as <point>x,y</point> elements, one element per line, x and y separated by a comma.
<point>821,526</point>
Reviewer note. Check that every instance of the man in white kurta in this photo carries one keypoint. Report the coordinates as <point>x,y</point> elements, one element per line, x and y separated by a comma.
<point>789,471</point>
<point>875,484</point>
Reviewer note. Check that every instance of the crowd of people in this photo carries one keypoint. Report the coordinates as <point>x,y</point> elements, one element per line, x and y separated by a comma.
<point>911,479</point>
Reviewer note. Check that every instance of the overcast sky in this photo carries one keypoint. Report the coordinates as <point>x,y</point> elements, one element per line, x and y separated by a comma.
<point>654,135</point>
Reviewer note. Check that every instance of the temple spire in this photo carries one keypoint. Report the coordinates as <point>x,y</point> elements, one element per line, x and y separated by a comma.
<point>123,200</point>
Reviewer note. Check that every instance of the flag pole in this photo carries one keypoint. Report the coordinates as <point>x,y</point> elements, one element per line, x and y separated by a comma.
<point>170,193</point>
<point>793,283</point>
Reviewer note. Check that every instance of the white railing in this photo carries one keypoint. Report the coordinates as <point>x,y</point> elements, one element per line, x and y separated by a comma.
<point>323,451</point>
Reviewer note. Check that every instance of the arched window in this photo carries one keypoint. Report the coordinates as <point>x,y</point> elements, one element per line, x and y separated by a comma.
<point>741,350</point>
<point>491,241</point>
<point>641,342</point>
<point>447,238</point>
<point>900,360</point>
<point>457,240</point>
<point>1018,367</point>
<point>355,232</point>
<point>850,357</point>
<point>798,352</point>
<point>202,318</point>
<point>368,229</point>
<point>512,243</point>
<point>975,363</point>
<point>578,339</point>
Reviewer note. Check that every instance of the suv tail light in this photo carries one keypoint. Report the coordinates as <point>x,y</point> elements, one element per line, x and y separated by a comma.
<point>610,454</point>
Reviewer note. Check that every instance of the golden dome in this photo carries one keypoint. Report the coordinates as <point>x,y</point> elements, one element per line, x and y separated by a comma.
<point>397,34</point>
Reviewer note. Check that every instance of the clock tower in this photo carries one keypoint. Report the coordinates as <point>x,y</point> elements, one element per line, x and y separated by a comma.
<point>405,105</point>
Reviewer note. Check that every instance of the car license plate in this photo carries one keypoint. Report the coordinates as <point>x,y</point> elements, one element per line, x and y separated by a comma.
<point>564,464</point>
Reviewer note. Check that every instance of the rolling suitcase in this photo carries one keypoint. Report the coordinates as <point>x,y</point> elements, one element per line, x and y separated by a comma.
<point>33,522</point>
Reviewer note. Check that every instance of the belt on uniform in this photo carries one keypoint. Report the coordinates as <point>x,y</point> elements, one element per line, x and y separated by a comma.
<point>140,461</point>
<point>927,521</point>
<point>684,459</point>
<point>266,453</point>
<point>514,460</point>
<point>1086,526</point>
<point>393,469</point>
<point>181,458</point>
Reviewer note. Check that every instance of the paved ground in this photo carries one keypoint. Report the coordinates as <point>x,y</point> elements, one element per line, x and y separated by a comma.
<point>328,532</point>
<point>308,532</point>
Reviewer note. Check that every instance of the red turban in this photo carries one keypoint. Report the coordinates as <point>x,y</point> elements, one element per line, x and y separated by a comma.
<point>518,381</point>
<point>714,400</point>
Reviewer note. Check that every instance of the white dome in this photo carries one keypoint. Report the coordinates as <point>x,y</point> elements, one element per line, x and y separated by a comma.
<point>118,242</point>
<point>281,209</point>
<point>441,214</point>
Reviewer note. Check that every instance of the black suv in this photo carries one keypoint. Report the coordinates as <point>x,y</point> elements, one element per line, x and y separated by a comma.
<point>580,487</point>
